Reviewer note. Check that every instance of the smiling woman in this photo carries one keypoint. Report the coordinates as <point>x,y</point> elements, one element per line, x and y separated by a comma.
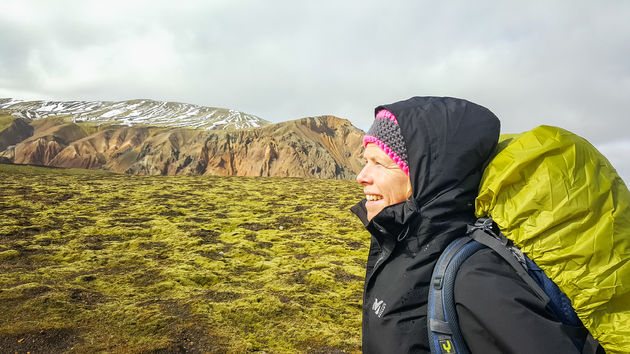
<point>424,161</point>
<point>435,147</point>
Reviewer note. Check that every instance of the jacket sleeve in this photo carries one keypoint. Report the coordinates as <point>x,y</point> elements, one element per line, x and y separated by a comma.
<point>499,313</point>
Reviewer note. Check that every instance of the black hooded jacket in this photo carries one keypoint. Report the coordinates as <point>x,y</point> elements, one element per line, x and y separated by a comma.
<point>448,143</point>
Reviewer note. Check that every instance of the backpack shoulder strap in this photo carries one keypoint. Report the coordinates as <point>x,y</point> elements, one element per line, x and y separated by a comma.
<point>443,324</point>
<point>482,232</point>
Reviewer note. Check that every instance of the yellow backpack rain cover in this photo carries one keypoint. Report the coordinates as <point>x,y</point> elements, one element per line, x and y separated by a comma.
<point>560,200</point>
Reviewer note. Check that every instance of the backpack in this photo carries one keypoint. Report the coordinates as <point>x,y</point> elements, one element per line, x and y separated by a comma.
<point>562,204</point>
<point>444,332</point>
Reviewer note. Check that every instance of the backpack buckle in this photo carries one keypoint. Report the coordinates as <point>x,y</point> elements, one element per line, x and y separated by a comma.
<point>486,225</point>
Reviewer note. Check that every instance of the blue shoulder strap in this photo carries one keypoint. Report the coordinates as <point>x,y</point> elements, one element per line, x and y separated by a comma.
<point>443,324</point>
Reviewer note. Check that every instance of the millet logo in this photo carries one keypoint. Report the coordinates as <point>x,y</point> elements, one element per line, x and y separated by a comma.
<point>378,307</point>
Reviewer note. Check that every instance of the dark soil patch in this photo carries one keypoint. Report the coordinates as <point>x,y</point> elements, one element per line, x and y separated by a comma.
<point>22,261</point>
<point>187,227</point>
<point>54,340</point>
<point>61,197</point>
<point>86,277</point>
<point>85,297</point>
<point>118,269</point>
<point>346,223</point>
<point>194,339</point>
<point>355,245</point>
<point>35,291</point>
<point>4,208</point>
<point>290,221</point>
<point>283,298</point>
<point>294,245</point>
<point>161,255</point>
<point>23,191</point>
<point>172,213</point>
<point>254,226</point>
<point>30,231</point>
<point>132,221</point>
<point>44,242</point>
<point>214,255</point>
<point>299,276</point>
<point>96,242</point>
<point>94,245</point>
<point>244,268</point>
<point>82,220</point>
<point>361,261</point>
<point>198,220</point>
<point>186,332</point>
<point>207,235</point>
<point>313,235</point>
<point>147,278</point>
<point>346,277</point>
<point>251,236</point>
<point>326,350</point>
<point>264,245</point>
<point>222,296</point>
<point>149,245</point>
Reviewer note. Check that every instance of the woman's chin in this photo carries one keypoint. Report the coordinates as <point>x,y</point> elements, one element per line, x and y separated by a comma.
<point>374,207</point>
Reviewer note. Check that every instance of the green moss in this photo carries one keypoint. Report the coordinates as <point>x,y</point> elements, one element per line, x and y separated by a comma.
<point>9,254</point>
<point>150,263</point>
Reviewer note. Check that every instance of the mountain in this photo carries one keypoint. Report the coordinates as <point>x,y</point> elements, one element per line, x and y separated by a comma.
<point>135,112</point>
<point>321,147</point>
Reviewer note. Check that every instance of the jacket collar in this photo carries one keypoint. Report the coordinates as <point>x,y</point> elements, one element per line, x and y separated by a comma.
<point>395,222</point>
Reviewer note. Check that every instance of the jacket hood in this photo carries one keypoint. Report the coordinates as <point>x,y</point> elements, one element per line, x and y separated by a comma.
<point>448,142</point>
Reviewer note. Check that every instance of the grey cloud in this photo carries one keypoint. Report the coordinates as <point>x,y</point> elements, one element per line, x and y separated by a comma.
<point>560,63</point>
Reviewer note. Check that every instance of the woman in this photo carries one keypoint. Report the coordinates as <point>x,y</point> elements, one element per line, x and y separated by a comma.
<point>424,161</point>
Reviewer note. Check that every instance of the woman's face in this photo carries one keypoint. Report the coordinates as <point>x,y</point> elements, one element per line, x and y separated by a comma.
<point>384,183</point>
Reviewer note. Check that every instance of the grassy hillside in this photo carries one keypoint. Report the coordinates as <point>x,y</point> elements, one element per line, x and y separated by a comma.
<point>92,261</point>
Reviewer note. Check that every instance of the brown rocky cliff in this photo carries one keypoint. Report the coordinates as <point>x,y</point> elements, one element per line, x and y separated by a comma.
<point>322,147</point>
<point>169,152</point>
<point>102,149</point>
<point>50,136</point>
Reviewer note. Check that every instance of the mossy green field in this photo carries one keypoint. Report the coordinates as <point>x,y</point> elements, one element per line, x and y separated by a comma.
<point>92,261</point>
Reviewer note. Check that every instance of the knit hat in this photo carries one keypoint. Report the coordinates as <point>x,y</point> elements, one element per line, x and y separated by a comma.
<point>385,133</point>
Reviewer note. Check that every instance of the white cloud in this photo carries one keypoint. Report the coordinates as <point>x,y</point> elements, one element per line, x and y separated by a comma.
<point>559,63</point>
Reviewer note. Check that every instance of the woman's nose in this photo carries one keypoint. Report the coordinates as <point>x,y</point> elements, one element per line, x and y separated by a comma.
<point>363,176</point>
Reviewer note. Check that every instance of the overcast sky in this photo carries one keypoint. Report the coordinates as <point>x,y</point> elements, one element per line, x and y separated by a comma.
<point>563,63</point>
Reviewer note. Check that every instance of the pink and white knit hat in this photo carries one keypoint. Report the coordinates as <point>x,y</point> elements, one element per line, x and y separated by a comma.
<point>385,133</point>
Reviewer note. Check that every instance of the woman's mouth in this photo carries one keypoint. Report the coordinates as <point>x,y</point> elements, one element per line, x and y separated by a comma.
<point>373,197</point>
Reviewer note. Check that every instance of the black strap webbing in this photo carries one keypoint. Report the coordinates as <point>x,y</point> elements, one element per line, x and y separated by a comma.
<point>499,247</point>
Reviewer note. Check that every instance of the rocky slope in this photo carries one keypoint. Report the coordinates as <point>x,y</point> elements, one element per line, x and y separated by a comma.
<point>322,147</point>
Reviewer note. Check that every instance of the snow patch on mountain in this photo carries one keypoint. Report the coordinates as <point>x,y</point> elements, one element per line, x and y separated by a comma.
<point>133,112</point>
